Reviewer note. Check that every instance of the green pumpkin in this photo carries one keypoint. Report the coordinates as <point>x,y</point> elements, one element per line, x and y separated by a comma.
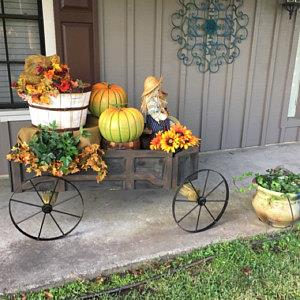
<point>121,125</point>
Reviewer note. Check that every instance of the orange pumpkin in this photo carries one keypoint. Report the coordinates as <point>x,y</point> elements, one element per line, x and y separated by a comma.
<point>105,95</point>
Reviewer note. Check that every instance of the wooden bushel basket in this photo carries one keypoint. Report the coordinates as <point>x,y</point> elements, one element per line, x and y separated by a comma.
<point>69,111</point>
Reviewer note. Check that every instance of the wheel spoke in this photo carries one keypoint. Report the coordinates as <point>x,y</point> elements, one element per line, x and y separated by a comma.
<point>209,212</point>
<point>208,200</point>
<point>204,188</point>
<point>200,207</point>
<point>65,213</point>
<point>194,189</point>
<point>31,216</point>
<point>188,213</point>
<point>42,226</point>
<point>56,224</point>
<point>183,200</point>
<point>214,188</point>
<point>54,190</point>
<point>68,199</point>
<point>31,204</point>
<point>36,190</point>
<point>210,184</point>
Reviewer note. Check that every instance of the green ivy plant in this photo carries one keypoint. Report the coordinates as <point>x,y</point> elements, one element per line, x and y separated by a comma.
<point>278,180</point>
<point>49,145</point>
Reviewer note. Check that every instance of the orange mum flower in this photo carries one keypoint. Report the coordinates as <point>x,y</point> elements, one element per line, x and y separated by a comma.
<point>155,142</point>
<point>49,74</point>
<point>179,129</point>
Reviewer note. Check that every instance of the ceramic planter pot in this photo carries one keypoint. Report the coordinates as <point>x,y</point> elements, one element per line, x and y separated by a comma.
<point>276,209</point>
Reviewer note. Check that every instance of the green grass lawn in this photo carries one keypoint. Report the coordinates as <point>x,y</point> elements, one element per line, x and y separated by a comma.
<point>264,267</point>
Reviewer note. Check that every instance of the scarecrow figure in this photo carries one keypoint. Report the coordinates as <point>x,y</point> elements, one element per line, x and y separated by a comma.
<point>154,105</point>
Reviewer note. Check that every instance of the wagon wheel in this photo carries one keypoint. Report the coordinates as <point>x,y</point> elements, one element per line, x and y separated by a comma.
<point>200,201</point>
<point>42,211</point>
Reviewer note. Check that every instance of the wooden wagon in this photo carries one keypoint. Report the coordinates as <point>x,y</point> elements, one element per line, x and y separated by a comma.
<point>57,200</point>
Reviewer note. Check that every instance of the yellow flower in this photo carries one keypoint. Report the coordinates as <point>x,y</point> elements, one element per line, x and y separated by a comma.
<point>56,67</point>
<point>185,136</point>
<point>9,156</point>
<point>169,141</point>
<point>30,88</point>
<point>191,141</point>
<point>45,99</point>
<point>37,172</point>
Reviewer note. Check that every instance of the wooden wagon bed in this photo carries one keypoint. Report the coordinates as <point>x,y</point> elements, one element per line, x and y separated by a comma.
<point>127,169</point>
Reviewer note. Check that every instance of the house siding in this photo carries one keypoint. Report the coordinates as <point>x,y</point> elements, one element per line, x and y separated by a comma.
<point>244,104</point>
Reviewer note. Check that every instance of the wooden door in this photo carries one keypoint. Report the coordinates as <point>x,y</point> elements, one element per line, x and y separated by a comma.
<point>76,26</point>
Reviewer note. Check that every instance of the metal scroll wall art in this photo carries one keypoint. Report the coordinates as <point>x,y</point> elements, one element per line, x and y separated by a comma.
<point>209,32</point>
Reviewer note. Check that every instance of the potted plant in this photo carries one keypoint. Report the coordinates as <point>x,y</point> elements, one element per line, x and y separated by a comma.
<point>277,198</point>
<point>58,154</point>
<point>52,95</point>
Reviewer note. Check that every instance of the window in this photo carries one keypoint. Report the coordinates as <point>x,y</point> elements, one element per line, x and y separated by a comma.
<point>21,34</point>
<point>294,105</point>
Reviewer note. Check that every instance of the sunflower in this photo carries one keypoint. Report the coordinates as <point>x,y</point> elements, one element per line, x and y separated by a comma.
<point>169,141</point>
<point>191,141</point>
<point>179,129</point>
<point>155,143</point>
<point>183,133</point>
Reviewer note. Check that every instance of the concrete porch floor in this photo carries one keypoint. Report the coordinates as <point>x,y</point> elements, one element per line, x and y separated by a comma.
<point>121,228</point>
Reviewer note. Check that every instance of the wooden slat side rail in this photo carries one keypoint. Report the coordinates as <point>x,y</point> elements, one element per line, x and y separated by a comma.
<point>136,153</point>
<point>129,172</point>
<point>192,153</point>
<point>16,176</point>
<point>171,169</point>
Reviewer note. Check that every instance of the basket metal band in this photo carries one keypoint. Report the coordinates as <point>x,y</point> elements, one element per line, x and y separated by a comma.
<point>59,109</point>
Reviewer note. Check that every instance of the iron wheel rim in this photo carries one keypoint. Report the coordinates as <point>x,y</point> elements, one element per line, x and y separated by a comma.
<point>64,234</point>
<point>220,214</point>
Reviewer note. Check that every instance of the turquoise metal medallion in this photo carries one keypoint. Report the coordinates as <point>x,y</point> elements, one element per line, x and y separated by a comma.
<point>209,32</point>
<point>210,27</point>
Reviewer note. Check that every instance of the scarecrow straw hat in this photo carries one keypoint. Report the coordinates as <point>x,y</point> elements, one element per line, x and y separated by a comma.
<point>150,84</point>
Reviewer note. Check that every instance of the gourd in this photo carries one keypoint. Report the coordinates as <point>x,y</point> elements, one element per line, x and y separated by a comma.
<point>121,125</point>
<point>105,95</point>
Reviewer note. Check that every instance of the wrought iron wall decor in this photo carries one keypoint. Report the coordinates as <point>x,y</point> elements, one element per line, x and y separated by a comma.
<point>209,32</point>
<point>291,6</point>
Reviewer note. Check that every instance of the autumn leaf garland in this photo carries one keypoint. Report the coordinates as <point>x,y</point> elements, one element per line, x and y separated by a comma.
<point>58,154</point>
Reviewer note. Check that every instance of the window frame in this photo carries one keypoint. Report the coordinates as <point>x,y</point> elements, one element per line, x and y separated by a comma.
<point>3,17</point>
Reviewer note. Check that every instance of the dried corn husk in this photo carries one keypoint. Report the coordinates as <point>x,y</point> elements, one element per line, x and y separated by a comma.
<point>32,61</point>
<point>188,192</point>
<point>29,74</point>
<point>49,196</point>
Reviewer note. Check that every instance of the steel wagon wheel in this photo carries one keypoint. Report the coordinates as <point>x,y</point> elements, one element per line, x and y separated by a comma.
<point>200,201</point>
<point>42,211</point>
